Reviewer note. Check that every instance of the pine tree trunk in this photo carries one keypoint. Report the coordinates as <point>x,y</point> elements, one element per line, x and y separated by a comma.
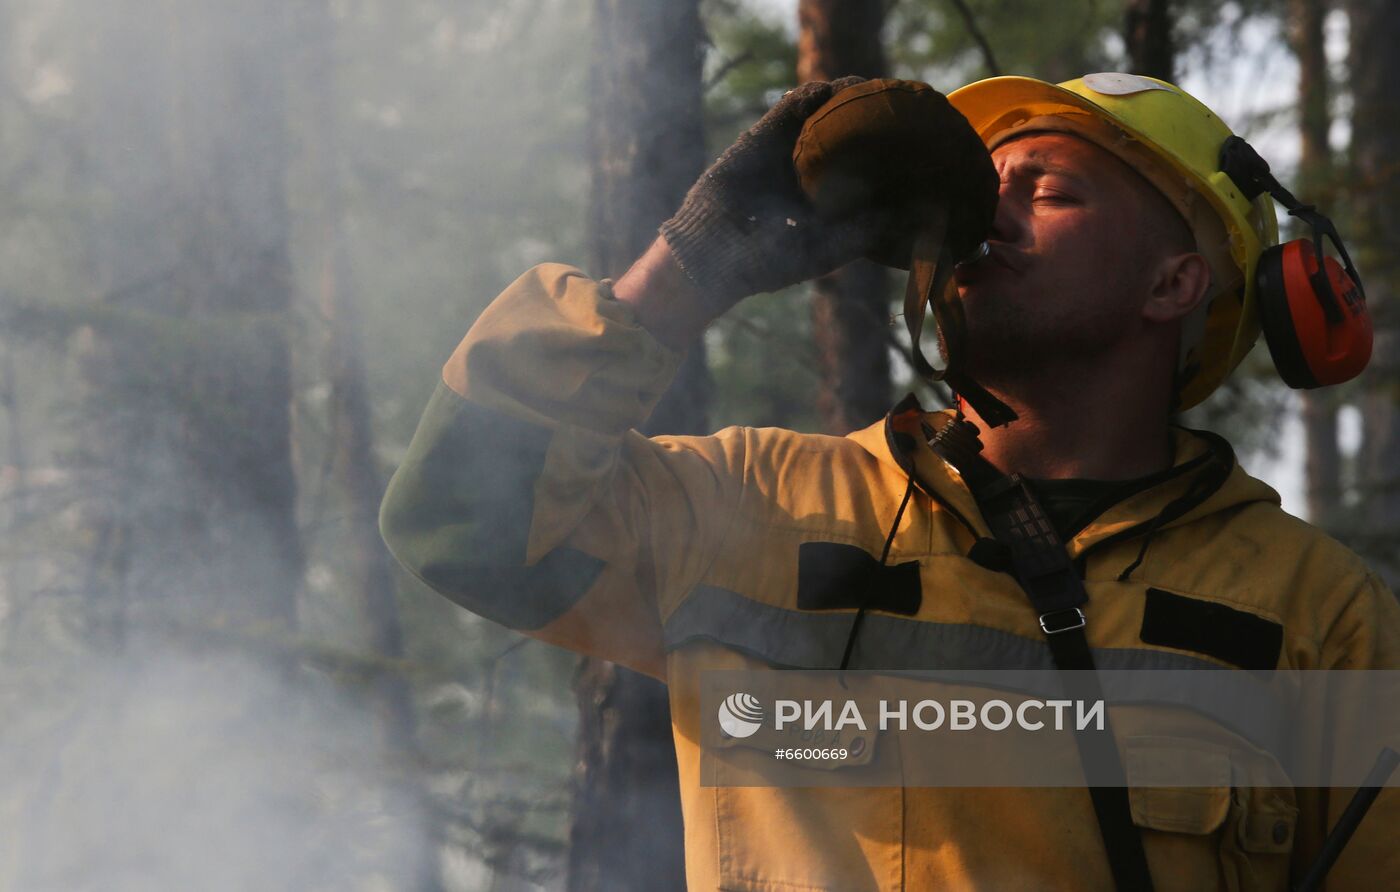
<point>1322,469</point>
<point>647,145</point>
<point>1147,32</point>
<point>1375,85</point>
<point>850,307</point>
<point>366,580</point>
<point>188,375</point>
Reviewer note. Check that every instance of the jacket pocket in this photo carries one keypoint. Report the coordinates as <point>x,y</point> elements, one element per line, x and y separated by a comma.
<point>1216,837</point>
<point>810,839</point>
<point>833,836</point>
<point>1181,827</point>
<point>1181,832</point>
<point>1258,839</point>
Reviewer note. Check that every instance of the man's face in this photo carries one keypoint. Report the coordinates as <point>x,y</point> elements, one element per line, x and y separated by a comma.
<point>1072,255</point>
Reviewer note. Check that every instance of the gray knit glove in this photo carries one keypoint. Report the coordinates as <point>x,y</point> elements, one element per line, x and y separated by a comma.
<point>745,226</point>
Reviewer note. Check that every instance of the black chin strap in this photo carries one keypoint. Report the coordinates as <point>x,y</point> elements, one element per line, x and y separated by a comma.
<point>930,278</point>
<point>1038,557</point>
<point>1043,569</point>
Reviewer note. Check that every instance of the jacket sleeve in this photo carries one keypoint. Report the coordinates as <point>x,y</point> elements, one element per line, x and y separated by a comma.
<point>527,497</point>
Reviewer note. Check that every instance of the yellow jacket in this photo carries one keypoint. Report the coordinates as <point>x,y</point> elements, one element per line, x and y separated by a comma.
<point>528,498</point>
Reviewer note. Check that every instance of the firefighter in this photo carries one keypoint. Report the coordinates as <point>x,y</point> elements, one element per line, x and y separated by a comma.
<point>1129,240</point>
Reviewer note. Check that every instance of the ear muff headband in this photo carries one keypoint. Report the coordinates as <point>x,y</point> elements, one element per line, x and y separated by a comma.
<point>1312,308</point>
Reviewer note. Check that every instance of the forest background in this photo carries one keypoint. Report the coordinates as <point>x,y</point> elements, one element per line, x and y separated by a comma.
<point>239,240</point>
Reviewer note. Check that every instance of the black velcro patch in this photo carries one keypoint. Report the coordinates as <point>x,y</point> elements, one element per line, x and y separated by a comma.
<point>1235,636</point>
<point>832,576</point>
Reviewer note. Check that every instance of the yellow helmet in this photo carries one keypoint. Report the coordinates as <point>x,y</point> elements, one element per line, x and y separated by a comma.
<point>1174,142</point>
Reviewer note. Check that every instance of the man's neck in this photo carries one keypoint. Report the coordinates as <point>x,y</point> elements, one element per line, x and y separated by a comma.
<point>1104,429</point>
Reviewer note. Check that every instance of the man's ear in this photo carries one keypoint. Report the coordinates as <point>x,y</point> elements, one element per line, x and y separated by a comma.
<point>1180,284</point>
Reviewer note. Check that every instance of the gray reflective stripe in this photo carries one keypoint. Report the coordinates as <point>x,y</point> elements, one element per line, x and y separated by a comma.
<point>786,638</point>
<point>795,639</point>
<point>804,640</point>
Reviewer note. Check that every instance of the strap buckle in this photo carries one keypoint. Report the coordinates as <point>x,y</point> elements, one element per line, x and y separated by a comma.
<point>1066,620</point>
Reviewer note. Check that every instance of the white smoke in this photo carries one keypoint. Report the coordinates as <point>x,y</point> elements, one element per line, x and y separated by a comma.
<point>175,772</point>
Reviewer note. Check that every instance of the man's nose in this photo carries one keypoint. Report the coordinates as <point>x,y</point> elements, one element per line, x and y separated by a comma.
<point>1008,225</point>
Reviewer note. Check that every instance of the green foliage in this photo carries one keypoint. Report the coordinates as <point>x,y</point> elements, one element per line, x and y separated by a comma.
<point>930,41</point>
<point>751,60</point>
<point>764,364</point>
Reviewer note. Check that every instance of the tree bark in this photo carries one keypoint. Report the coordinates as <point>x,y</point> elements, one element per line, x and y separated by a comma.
<point>188,375</point>
<point>1147,32</point>
<point>1322,468</point>
<point>366,579</point>
<point>646,142</point>
<point>1375,85</point>
<point>627,833</point>
<point>647,146</point>
<point>850,307</point>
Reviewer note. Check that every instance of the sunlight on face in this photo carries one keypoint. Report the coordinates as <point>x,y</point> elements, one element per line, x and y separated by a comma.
<point>1073,251</point>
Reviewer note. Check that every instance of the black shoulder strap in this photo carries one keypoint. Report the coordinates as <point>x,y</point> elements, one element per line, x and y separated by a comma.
<point>1044,571</point>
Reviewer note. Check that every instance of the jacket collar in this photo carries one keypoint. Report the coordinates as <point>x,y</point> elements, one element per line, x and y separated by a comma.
<point>1204,479</point>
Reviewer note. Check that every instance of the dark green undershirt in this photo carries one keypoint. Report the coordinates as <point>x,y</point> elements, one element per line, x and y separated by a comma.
<point>1073,503</point>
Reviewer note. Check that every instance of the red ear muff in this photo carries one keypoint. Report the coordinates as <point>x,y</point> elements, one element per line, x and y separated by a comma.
<point>1316,335</point>
<point>1312,308</point>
